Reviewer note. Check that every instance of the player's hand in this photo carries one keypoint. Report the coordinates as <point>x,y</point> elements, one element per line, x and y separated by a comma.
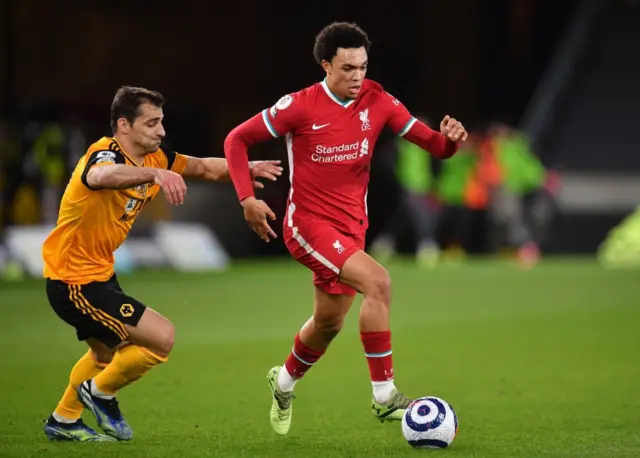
<point>453,129</point>
<point>256,213</point>
<point>173,186</point>
<point>264,169</point>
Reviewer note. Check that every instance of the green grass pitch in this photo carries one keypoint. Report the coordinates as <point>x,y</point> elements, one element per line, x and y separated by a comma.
<point>540,363</point>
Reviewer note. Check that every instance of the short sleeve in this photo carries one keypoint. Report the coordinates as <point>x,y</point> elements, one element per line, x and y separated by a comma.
<point>101,158</point>
<point>176,162</point>
<point>285,115</point>
<point>399,119</point>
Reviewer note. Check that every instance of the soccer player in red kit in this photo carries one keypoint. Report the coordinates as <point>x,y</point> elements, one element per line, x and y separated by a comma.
<point>330,130</point>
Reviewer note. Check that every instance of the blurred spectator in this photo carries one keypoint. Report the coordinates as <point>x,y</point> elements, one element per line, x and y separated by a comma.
<point>522,199</point>
<point>462,190</point>
<point>413,172</point>
<point>11,176</point>
<point>48,151</point>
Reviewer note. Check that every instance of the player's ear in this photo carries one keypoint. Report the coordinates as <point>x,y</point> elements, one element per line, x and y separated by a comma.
<point>326,65</point>
<point>123,125</point>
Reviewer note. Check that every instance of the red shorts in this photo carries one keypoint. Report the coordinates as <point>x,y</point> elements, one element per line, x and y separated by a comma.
<point>323,249</point>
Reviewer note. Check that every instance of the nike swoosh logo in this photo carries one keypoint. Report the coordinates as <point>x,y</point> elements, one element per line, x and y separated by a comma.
<point>314,127</point>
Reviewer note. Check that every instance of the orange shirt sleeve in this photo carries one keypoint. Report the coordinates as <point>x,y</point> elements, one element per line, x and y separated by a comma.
<point>179,163</point>
<point>176,162</point>
<point>101,158</point>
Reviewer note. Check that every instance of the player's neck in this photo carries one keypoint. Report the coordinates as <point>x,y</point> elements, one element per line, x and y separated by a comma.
<point>335,93</point>
<point>135,154</point>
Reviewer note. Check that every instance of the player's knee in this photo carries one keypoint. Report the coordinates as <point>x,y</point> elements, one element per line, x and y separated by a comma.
<point>378,286</point>
<point>165,339</point>
<point>168,338</point>
<point>102,357</point>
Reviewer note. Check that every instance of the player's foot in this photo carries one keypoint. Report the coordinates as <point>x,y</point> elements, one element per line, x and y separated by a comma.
<point>528,255</point>
<point>382,250</point>
<point>281,407</point>
<point>75,432</point>
<point>428,255</point>
<point>393,409</point>
<point>454,255</point>
<point>107,413</point>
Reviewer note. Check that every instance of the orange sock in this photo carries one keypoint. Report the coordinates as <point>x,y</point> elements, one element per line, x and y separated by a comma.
<point>86,368</point>
<point>129,364</point>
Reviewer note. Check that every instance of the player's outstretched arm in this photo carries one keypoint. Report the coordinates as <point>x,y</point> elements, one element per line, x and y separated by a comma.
<point>283,117</point>
<point>216,169</point>
<point>236,147</point>
<point>121,176</point>
<point>443,144</point>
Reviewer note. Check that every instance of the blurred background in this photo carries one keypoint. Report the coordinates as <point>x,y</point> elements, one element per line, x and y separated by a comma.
<point>548,89</point>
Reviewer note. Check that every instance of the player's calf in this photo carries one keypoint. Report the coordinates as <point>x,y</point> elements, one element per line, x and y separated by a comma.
<point>69,409</point>
<point>129,364</point>
<point>376,289</point>
<point>329,312</point>
<point>151,341</point>
<point>309,345</point>
<point>315,336</point>
<point>367,276</point>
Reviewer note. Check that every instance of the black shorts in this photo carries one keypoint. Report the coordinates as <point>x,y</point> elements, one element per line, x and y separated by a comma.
<point>98,309</point>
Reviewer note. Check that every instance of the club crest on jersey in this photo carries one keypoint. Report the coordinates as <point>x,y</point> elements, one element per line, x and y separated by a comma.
<point>130,206</point>
<point>364,118</point>
<point>142,189</point>
<point>106,156</point>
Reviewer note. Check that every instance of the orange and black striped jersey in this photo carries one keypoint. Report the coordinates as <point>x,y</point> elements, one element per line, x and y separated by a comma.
<point>92,224</point>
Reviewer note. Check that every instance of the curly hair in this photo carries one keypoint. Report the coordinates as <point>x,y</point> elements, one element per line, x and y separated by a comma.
<point>339,35</point>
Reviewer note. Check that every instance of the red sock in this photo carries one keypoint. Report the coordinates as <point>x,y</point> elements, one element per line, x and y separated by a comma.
<point>301,358</point>
<point>377,349</point>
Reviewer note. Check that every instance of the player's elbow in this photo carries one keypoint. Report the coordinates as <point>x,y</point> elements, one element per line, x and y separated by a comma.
<point>232,140</point>
<point>241,137</point>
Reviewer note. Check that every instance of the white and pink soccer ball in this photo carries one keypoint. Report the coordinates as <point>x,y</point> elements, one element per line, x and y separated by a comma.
<point>429,422</point>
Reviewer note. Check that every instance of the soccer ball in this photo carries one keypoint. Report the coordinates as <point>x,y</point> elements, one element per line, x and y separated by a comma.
<point>429,422</point>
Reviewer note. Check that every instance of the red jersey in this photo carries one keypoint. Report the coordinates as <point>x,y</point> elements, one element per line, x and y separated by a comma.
<point>329,143</point>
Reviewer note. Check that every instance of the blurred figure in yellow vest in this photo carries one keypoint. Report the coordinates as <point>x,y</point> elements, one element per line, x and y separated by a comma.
<point>413,172</point>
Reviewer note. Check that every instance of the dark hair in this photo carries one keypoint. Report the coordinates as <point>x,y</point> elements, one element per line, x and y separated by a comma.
<point>127,101</point>
<point>339,35</point>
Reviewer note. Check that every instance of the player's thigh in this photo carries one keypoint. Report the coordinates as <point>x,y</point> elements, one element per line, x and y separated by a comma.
<point>154,332</point>
<point>366,275</point>
<point>323,250</point>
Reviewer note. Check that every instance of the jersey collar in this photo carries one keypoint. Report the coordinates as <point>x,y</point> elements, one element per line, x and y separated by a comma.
<point>333,97</point>
<point>125,154</point>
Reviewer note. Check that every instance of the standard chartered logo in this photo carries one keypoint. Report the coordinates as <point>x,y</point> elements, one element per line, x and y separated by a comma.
<point>364,149</point>
<point>341,153</point>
